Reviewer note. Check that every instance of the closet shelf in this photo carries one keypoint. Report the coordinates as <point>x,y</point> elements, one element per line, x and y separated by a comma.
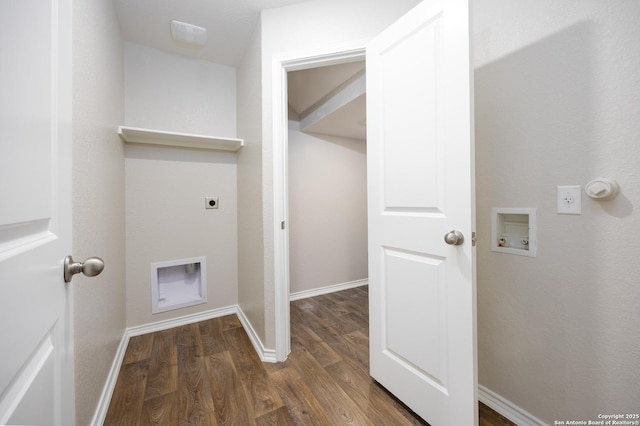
<point>184,140</point>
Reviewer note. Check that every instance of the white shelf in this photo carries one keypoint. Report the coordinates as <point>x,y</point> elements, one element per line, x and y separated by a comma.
<point>185,140</point>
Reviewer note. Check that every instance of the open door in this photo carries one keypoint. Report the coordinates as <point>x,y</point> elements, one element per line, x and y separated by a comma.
<point>36,372</point>
<point>420,189</point>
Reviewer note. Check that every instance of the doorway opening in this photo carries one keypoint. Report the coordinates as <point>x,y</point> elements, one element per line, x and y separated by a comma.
<point>327,179</point>
<point>282,67</point>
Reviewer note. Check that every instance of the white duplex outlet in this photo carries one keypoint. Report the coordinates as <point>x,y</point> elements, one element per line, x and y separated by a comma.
<point>569,199</point>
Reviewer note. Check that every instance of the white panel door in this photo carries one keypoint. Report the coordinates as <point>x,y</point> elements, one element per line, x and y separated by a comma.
<point>36,367</point>
<point>420,171</point>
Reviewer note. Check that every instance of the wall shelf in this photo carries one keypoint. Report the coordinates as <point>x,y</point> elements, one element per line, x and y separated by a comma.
<point>183,140</point>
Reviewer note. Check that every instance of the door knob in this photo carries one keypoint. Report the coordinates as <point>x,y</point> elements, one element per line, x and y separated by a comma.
<point>454,238</point>
<point>90,267</point>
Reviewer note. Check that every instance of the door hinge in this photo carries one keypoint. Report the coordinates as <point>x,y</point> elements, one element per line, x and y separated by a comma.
<point>282,225</point>
<point>473,239</point>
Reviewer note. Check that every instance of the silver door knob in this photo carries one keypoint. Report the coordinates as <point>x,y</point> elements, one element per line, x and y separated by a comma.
<point>454,238</point>
<point>90,267</point>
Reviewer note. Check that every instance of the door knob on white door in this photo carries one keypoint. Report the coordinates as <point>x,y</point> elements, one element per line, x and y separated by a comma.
<point>454,238</point>
<point>90,267</point>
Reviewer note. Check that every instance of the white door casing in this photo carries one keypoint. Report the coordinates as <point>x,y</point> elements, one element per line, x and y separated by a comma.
<point>420,187</point>
<point>36,372</point>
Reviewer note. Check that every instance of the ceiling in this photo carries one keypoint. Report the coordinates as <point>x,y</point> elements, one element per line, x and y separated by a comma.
<point>230,24</point>
<point>340,85</point>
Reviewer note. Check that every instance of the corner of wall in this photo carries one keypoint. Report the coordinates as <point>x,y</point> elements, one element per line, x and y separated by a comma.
<point>98,216</point>
<point>250,195</point>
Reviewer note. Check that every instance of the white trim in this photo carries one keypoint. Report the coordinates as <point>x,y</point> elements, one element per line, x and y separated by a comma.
<point>110,384</point>
<point>507,408</point>
<point>329,55</point>
<point>280,65</point>
<point>184,320</point>
<point>266,355</point>
<point>280,210</point>
<point>328,289</point>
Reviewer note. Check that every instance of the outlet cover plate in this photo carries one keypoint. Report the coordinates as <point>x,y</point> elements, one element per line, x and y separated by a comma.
<point>210,202</point>
<point>569,199</point>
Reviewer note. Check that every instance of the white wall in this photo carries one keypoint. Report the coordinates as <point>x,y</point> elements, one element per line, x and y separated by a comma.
<point>310,26</point>
<point>327,210</point>
<point>165,187</point>
<point>250,248</point>
<point>98,197</point>
<point>557,102</point>
<point>178,93</point>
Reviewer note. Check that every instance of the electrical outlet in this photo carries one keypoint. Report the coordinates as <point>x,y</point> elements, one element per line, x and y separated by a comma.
<point>210,202</point>
<point>570,199</point>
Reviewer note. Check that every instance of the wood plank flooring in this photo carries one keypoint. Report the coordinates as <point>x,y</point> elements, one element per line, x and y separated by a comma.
<point>208,373</point>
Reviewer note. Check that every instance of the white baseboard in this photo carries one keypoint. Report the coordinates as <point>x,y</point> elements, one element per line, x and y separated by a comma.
<point>107,392</point>
<point>266,355</point>
<point>184,320</point>
<point>507,408</point>
<point>328,289</point>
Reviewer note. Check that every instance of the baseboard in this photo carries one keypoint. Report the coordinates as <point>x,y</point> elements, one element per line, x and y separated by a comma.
<point>266,355</point>
<point>508,408</point>
<point>328,289</point>
<point>107,391</point>
<point>184,320</point>
<point>105,398</point>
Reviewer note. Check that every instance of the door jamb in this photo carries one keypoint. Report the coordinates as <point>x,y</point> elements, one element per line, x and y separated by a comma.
<point>282,64</point>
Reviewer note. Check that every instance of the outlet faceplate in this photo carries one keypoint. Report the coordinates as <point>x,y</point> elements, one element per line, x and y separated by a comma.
<point>570,199</point>
<point>210,202</point>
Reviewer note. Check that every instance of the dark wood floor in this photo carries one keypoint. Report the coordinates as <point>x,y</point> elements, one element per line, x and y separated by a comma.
<point>209,374</point>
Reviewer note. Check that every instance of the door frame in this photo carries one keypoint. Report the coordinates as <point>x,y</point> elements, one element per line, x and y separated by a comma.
<point>281,64</point>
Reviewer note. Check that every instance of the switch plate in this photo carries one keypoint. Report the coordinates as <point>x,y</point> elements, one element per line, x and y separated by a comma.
<point>569,199</point>
<point>211,202</point>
